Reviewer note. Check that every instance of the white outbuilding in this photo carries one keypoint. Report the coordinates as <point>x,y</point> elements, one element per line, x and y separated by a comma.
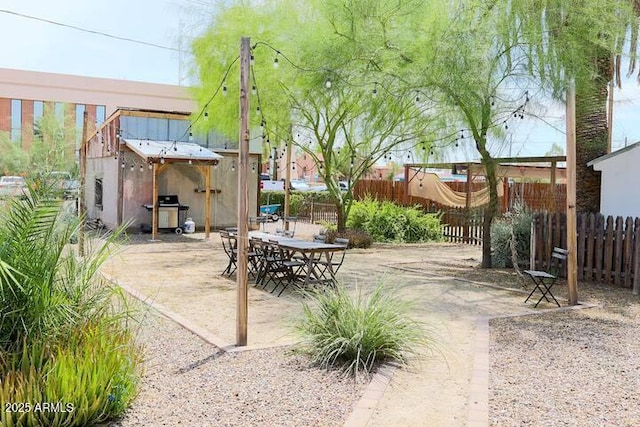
<point>620,188</point>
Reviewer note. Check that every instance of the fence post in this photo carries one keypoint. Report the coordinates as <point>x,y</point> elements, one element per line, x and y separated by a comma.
<point>636,270</point>
<point>311,213</point>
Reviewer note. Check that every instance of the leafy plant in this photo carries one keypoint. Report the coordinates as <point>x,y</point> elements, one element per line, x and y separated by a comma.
<point>356,333</point>
<point>387,222</point>
<point>90,376</point>
<point>64,334</point>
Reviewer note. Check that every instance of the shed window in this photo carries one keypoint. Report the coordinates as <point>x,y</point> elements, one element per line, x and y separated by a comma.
<point>98,193</point>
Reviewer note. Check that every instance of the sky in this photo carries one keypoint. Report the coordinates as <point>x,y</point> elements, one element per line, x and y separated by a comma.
<point>40,46</point>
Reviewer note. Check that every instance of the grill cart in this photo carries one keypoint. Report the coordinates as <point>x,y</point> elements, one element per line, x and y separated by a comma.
<point>170,213</point>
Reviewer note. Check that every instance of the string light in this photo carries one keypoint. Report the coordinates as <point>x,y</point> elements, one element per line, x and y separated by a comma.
<point>327,84</point>
<point>224,89</point>
<point>141,168</point>
<point>275,60</point>
<point>233,166</point>
<point>254,90</point>
<point>206,116</point>
<point>375,89</point>
<point>162,160</point>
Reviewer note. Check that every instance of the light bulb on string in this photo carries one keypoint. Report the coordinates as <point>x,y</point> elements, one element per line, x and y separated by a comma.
<point>150,165</point>
<point>258,109</point>
<point>254,90</point>
<point>132,166</point>
<point>233,166</point>
<point>162,160</point>
<point>206,116</point>
<point>122,165</point>
<point>141,168</point>
<point>253,167</point>
<point>190,138</point>
<point>327,84</point>
<point>252,60</point>
<point>375,89</point>
<point>275,61</point>
<point>224,89</point>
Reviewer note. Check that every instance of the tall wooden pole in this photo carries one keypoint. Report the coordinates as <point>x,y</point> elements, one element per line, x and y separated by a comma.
<point>243,197</point>
<point>154,211</point>
<point>83,182</point>
<point>207,201</point>
<point>572,246</point>
<point>610,116</point>
<point>287,184</point>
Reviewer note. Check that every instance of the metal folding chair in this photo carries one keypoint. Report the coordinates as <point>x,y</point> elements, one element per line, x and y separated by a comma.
<point>331,266</point>
<point>230,246</point>
<point>544,280</point>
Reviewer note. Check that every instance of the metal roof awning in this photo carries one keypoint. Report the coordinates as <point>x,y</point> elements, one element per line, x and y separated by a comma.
<point>152,150</point>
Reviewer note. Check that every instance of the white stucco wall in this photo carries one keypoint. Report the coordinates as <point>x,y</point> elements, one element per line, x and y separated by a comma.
<point>620,193</point>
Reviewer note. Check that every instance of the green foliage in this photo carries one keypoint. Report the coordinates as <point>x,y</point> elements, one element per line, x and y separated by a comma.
<point>357,238</point>
<point>355,333</point>
<point>385,221</point>
<point>515,223</point>
<point>92,375</point>
<point>64,335</point>
<point>14,160</point>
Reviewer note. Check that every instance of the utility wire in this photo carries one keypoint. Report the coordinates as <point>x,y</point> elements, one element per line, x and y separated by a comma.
<point>99,33</point>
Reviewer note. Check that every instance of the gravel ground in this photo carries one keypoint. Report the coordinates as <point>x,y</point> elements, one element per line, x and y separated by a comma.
<point>568,368</point>
<point>190,382</point>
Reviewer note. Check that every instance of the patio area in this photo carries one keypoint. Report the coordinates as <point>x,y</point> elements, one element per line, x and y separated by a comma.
<point>181,275</point>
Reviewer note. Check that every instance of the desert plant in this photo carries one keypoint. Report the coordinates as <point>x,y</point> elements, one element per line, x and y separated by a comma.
<point>514,224</point>
<point>87,378</point>
<point>64,334</point>
<point>356,333</point>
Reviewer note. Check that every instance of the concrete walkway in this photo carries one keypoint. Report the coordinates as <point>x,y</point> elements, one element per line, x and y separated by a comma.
<point>181,276</point>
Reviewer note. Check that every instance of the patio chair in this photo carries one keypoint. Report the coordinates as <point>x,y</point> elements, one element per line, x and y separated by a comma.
<point>324,267</point>
<point>544,280</point>
<point>286,229</point>
<point>230,246</point>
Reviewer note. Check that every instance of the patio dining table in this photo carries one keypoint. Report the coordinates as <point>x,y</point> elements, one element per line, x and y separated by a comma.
<point>310,252</point>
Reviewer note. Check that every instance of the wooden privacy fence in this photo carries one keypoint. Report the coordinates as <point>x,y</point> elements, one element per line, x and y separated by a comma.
<point>608,249</point>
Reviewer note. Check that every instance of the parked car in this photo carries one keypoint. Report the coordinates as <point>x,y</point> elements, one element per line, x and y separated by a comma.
<point>65,185</point>
<point>300,185</point>
<point>11,186</point>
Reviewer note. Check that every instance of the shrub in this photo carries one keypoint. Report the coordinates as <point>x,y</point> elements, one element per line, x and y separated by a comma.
<point>63,335</point>
<point>355,333</point>
<point>357,238</point>
<point>517,221</point>
<point>387,222</point>
<point>90,377</point>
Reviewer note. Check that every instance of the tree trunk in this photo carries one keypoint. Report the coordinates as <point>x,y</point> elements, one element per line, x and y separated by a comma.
<point>591,132</point>
<point>340,210</point>
<point>491,210</point>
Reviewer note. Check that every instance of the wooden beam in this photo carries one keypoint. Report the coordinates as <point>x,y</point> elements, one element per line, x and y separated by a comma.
<point>83,183</point>
<point>207,201</point>
<point>572,244</point>
<point>553,185</point>
<point>287,181</point>
<point>154,202</point>
<point>155,114</point>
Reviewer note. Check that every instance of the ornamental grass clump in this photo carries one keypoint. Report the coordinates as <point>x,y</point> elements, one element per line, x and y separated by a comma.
<point>67,350</point>
<point>356,333</point>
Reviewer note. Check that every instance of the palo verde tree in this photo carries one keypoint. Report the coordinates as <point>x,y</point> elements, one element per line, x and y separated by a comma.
<point>321,96</point>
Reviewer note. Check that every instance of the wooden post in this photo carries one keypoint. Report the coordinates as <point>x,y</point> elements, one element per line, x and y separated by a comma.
<point>243,197</point>
<point>554,165</point>
<point>405,198</point>
<point>467,207</point>
<point>207,201</point>
<point>154,201</point>
<point>287,183</point>
<point>83,182</point>
<point>636,271</point>
<point>572,246</point>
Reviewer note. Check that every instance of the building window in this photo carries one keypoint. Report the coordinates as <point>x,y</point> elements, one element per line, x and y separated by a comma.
<point>58,110</point>
<point>98,193</point>
<point>101,112</point>
<point>80,109</point>
<point>16,120</point>
<point>38,110</point>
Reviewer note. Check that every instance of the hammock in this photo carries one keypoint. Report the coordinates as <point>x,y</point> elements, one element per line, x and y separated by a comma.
<point>434,189</point>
